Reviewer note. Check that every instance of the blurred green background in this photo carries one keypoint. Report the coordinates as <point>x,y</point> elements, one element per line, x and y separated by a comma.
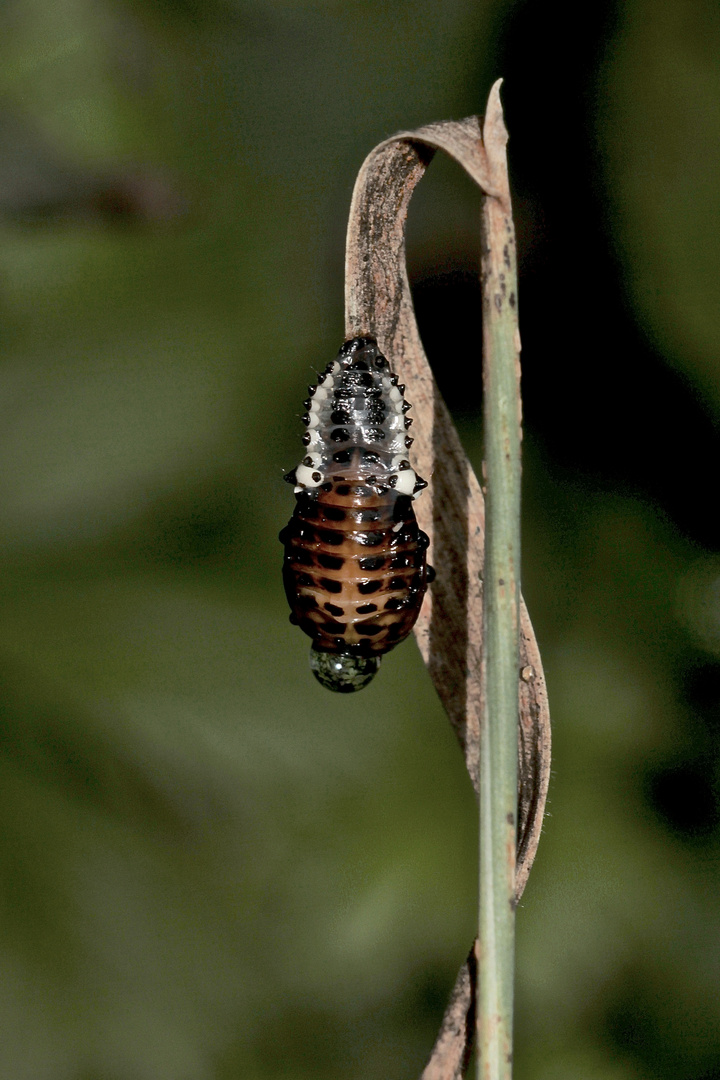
<point>209,867</point>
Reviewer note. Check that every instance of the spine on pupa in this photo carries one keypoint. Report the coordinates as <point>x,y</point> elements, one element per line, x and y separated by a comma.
<point>356,419</point>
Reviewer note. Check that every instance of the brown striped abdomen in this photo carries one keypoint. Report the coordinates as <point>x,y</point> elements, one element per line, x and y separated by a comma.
<point>354,572</point>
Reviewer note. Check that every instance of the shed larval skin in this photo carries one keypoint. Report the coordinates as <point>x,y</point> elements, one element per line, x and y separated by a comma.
<point>355,571</point>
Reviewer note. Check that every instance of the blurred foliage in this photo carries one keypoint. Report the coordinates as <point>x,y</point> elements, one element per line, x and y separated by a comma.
<point>209,867</point>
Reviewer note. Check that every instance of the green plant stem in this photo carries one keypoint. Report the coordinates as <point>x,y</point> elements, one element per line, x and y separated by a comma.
<point>498,736</point>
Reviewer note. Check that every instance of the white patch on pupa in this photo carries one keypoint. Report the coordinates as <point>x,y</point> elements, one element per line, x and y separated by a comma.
<point>304,476</point>
<point>406,481</point>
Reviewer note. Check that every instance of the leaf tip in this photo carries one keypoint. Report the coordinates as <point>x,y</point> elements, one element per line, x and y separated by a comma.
<point>495,134</point>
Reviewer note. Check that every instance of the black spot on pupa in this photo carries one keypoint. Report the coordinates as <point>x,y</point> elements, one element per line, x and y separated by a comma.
<point>393,604</point>
<point>365,609</point>
<point>353,344</point>
<point>326,487</point>
<point>380,363</point>
<point>330,562</point>
<point>340,416</point>
<point>317,477</point>
<point>370,539</point>
<point>409,441</point>
<point>334,513</point>
<point>306,438</point>
<point>333,609</point>
<point>330,585</point>
<point>408,422</point>
<point>329,536</point>
<point>366,587</point>
<point>372,562</point>
<point>370,629</point>
<point>342,457</point>
<point>341,489</point>
<point>339,435</point>
<point>332,627</point>
<point>397,583</point>
<point>406,406</point>
<point>401,510</point>
<point>367,515</point>
<point>430,575</point>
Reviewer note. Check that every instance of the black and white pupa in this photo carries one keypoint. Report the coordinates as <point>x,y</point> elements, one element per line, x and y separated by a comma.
<point>355,570</point>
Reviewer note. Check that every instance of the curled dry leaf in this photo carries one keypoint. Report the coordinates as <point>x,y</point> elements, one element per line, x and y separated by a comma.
<point>452,510</point>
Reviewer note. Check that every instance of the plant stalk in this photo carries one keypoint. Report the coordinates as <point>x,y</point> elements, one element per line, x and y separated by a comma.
<point>498,734</point>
